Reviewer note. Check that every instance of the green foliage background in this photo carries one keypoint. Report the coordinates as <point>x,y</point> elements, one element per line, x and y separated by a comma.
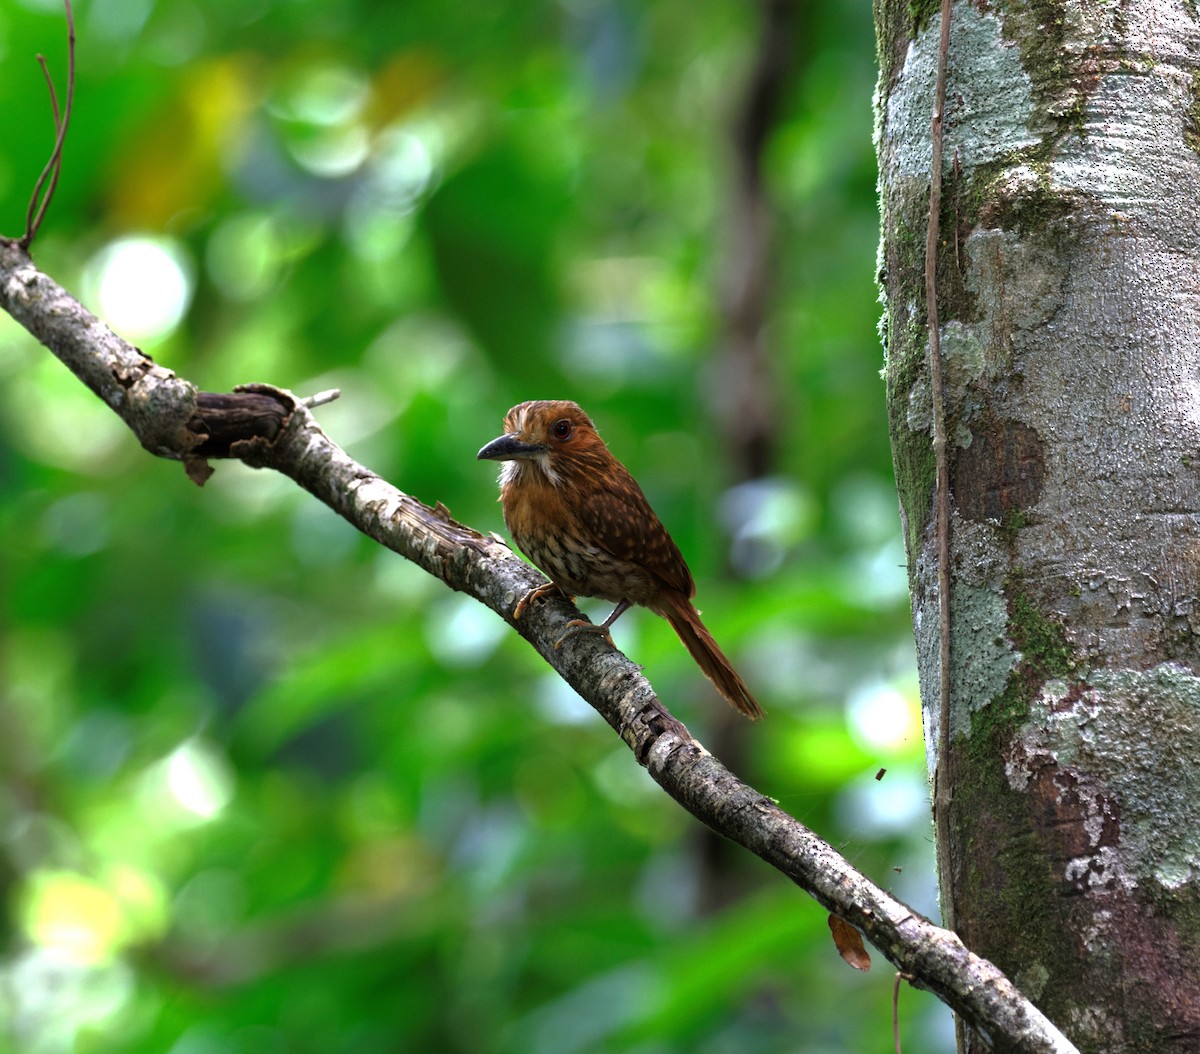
<point>268,788</point>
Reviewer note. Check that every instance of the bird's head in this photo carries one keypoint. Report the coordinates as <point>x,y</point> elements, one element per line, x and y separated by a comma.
<point>549,437</point>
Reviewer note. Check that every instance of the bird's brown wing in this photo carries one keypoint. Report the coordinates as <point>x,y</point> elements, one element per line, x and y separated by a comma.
<point>622,522</point>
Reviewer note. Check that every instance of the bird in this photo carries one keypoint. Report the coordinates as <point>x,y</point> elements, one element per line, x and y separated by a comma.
<point>578,514</point>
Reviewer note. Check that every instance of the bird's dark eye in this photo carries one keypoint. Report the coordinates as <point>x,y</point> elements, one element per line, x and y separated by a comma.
<point>561,429</point>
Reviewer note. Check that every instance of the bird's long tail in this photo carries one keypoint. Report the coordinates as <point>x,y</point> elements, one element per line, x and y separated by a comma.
<point>685,621</point>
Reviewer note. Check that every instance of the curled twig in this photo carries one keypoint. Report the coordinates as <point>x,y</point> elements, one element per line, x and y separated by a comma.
<point>39,203</point>
<point>900,976</point>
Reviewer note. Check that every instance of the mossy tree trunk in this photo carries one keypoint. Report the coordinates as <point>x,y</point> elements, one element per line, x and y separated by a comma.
<point>1069,296</point>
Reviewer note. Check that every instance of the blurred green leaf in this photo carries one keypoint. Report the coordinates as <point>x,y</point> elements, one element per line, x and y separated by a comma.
<point>492,228</point>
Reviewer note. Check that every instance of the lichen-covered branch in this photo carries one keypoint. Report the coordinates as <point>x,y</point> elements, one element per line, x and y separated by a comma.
<point>269,428</point>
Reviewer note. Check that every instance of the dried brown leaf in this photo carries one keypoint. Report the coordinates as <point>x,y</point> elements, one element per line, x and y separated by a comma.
<point>849,943</point>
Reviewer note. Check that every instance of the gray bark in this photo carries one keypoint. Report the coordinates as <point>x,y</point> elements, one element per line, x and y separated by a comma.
<point>1068,278</point>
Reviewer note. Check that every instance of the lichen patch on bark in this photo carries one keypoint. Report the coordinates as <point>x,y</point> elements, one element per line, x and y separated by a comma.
<point>988,96</point>
<point>1128,736</point>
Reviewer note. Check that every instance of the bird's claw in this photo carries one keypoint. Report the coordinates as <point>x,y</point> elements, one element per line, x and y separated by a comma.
<point>577,626</point>
<point>533,596</point>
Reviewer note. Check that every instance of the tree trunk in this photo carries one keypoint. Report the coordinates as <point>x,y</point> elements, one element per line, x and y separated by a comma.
<point>1068,283</point>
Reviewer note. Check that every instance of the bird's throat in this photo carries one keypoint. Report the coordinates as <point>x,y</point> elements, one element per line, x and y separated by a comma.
<point>526,471</point>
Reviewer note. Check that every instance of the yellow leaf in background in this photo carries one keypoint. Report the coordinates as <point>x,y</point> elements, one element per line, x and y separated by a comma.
<point>406,83</point>
<point>74,915</point>
<point>175,160</point>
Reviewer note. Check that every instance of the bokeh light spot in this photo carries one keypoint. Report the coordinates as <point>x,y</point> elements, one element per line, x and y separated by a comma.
<point>244,256</point>
<point>330,152</point>
<point>51,410</point>
<point>77,524</point>
<point>199,780</point>
<point>50,999</point>
<point>73,915</point>
<point>882,718</point>
<point>142,285</point>
<point>326,95</point>
<point>461,632</point>
<point>766,518</point>
<point>883,808</point>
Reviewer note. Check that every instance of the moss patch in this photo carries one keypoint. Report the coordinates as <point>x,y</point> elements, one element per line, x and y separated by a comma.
<point>1191,119</point>
<point>1042,641</point>
<point>1061,82</point>
<point>921,12</point>
<point>912,448</point>
<point>1033,210</point>
<point>1046,654</point>
<point>1015,521</point>
<point>1001,846</point>
<point>1002,863</point>
<point>1038,27</point>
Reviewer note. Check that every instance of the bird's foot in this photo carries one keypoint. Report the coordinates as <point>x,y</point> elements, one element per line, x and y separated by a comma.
<point>534,595</point>
<point>578,625</point>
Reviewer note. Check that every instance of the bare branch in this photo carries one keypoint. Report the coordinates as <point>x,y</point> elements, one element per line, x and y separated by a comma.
<point>173,420</point>
<point>321,398</point>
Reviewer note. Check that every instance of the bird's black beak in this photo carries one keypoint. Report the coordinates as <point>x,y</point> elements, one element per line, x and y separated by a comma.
<point>508,448</point>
